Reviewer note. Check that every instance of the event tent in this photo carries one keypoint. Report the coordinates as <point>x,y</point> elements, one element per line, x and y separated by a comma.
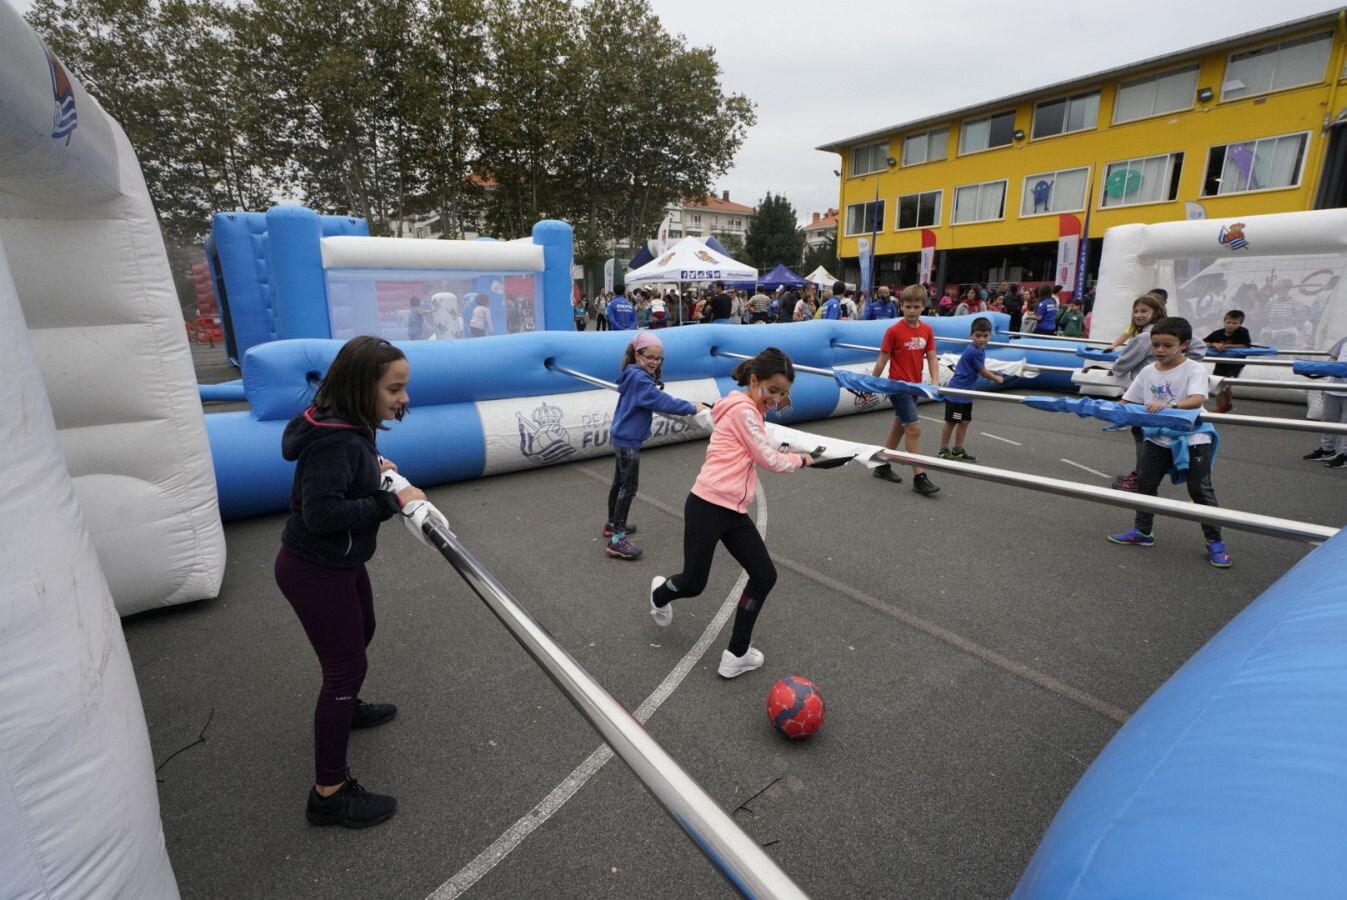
<point>821,277</point>
<point>782,277</point>
<point>691,261</point>
<point>645,254</point>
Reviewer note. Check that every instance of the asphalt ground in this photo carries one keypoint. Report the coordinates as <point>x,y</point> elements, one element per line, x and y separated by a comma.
<point>976,650</point>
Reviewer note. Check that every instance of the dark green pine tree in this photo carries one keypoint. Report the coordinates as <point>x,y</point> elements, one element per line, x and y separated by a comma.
<point>773,235</point>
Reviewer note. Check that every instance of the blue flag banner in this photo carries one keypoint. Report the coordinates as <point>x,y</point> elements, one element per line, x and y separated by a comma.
<point>869,384</point>
<point>1098,355</point>
<point>1119,414</point>
<point>1243,351</point>
<point>1330,369</point>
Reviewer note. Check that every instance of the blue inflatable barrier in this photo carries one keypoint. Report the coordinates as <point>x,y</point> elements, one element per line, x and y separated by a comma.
<point>1231,780</point>
<point>492,405</point>
<point>224,392</point>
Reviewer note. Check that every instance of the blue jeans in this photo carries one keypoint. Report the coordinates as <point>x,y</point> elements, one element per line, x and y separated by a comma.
<point>626,477</point>
<point>904,407</point>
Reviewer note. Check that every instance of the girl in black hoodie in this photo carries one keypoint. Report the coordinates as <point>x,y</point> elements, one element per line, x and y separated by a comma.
<point>336,507</point>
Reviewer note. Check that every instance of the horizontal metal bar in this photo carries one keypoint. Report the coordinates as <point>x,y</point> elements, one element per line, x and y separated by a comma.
<point>1226,518</point>
<point>799,367</point>
<point>1232,380</point>
<point>1269,422</point>
<point>589,379</point>
<point>1096,343</point>
<point>737,856</point>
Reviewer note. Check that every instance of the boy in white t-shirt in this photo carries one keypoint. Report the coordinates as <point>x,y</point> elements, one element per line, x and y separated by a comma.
<point>1173,381</point>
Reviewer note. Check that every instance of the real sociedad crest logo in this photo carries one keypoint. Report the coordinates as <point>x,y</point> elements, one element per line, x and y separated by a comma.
<point>63,117</point>
<point>543,439</point>
<point>1232,237</point>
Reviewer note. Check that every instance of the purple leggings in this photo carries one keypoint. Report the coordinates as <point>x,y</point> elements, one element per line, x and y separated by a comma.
<point>336,608</point>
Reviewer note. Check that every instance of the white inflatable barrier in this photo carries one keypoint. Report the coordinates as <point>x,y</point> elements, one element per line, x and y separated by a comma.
<point>92,280</point>
<point>1283,271</point>
<point>79,811</point>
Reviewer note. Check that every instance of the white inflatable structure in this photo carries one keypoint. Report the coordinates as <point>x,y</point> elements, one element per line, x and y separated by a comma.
<point>92,280</point>
<point>1284,271</point>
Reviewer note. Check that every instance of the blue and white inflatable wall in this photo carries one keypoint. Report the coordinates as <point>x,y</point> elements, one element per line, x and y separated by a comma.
<point>108,488</point>
<point>292,273</point>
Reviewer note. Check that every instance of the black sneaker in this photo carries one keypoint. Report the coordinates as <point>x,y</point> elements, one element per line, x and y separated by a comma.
<point>368,715</point>
<point>1319,453</point>
<point>1338,462</point>
<point>350,807</point>
<point>922,485</point>
<point>886,472</point>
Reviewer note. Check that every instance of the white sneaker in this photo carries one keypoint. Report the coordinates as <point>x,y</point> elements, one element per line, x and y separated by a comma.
<point>662,615</point>
<point>732,666</point>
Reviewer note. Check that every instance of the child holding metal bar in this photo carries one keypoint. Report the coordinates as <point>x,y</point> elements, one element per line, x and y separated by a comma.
<point>907,343</point>
<point>1174,382</point>
<point>716,511</point>
<point>336,507</point>
<point>639,396</point>
<point>1232,333</point>
<point>959,410</point>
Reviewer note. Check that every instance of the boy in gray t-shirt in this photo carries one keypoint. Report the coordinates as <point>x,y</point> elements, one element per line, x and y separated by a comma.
<point>1173,381</point>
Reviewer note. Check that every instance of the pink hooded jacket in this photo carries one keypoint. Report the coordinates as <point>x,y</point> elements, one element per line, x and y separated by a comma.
<point>728,477</point>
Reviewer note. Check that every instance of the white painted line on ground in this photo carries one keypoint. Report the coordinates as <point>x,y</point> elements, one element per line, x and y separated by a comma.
<point>1088,469</point>
<point>929,419</point>
<point>997,437</point>
<point>512,837</point>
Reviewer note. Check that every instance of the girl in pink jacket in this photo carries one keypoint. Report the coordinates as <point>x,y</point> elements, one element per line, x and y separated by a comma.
<point>717,508</point>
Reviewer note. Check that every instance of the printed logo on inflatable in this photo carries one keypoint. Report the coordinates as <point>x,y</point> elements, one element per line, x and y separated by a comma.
<point>63,117</point>
<point>1232,237</point>
<point>544,440</point>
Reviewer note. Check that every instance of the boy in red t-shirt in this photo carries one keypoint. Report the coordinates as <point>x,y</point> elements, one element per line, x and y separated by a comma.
<point>906,343</point>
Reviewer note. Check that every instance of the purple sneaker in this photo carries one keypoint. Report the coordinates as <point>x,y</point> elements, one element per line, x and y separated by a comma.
<point>1134,538</point>
<point>623,549</point>
<point>1126,482</point>
<point>1217,555</point>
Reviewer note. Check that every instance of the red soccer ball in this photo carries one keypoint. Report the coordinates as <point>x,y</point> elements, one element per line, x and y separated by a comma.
<point>795,707</point>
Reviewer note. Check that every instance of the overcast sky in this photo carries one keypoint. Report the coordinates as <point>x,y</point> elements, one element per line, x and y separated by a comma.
<point>821,71</point>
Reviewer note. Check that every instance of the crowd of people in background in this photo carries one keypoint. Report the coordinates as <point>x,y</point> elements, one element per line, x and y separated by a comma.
<point>1038,309</point>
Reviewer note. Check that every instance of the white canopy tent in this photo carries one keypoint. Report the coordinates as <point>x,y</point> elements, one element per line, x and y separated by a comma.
<point>821,277</point>
<point>691,261</point>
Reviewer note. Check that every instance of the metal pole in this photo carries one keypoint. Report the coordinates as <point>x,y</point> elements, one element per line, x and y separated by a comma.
<point>748,869</point>
<point>1240,361</point>
<point>1062,337</point>
<point>1233,380</point>
<point>1226,518</point>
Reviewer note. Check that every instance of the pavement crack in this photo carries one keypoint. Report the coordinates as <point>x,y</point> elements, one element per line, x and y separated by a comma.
<point>746,808</point>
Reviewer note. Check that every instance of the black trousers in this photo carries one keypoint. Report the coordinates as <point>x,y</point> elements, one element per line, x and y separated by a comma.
<point>626,481</point>
<point>1154,466</point>
<point>704,525</point>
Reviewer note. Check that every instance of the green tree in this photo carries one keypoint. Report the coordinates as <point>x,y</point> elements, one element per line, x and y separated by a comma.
<point>773,236</point>
<point>824,255</point>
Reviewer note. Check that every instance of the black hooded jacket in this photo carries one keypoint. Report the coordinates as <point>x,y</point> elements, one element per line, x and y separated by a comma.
<point>336,505</point>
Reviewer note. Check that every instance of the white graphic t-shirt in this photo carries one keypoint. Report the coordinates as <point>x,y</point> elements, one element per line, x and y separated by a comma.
<point>1179,383</point>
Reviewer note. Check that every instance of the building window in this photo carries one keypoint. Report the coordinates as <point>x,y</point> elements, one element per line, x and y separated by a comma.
<point>1067,114</point>
<point>979,202</point>
<point>1054,192</point>
<point>863,218</point>
<point>674,233</point>
<point>1155,95</point>
<point>1148,179</point>
<point>870,158</point>
<point>929,146</point>
<point>696,219</point>
<point>919,210</point>
<point>1258,165</point>
<point>987,132</point>
<point>1288,64</point>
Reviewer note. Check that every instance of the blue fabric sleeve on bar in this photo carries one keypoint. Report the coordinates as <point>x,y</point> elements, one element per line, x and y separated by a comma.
<point>869,384</point>
<point>1119,414</point>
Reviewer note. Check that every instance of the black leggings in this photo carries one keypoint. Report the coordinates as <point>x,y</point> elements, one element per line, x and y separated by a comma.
<point>626,480</point>
<point>1154,466</point>
<point>704,525</point>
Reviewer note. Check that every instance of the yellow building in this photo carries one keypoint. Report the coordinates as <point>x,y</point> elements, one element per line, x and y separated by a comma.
<point>1246,125</point>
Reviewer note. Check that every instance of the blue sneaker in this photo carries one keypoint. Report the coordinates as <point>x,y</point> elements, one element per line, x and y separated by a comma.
<point>1133,537</point>
<point>1217,555</point>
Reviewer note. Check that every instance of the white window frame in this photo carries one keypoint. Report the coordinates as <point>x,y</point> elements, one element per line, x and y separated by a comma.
<point>925,136</point>
<point>1300,165</point>
<point>1084,197</point>
<point>1066,114</point>
<point>1154,81</point>
<point>939,204</point>
<point>846,222</point>
<point>880,147</point>
<point>1169,168</point>
<point>963,128</point>
<point>1279,45</point>
<point>954,201</point>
